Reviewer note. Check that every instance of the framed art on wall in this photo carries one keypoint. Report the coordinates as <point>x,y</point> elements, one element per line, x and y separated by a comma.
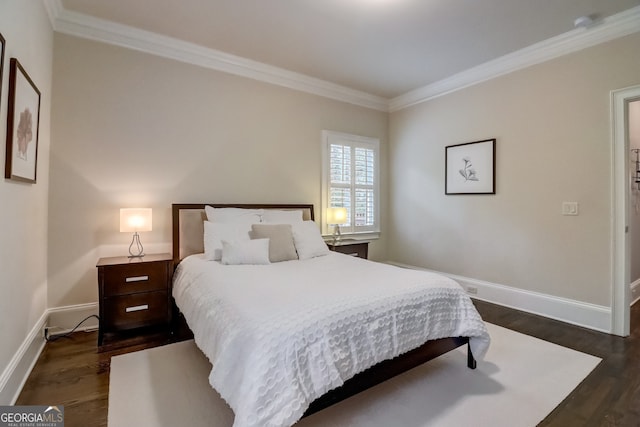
<point>2,41</point>
<point>23,117</point>
<point>470,168</point>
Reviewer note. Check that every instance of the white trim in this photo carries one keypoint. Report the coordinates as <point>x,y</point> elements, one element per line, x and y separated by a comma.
<point>570,311</point>
<point>67,317</point>
<point>615,26</point>
<point>88,27</point>
<point>619,183</point>
<point>16,373</point>
<point>579,313</point>
<point>85,26</point>
<point>635,292</point>
<point>21,364</point>
<point>329,137</point>
<point>54,8</point>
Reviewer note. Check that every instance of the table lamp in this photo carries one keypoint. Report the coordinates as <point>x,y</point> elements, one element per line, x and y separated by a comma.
<point>336,217</point>
<point>134,220</point>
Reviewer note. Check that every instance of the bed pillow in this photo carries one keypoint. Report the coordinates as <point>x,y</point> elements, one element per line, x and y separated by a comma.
<point>281,247</point>
<point>271,216</point>
<point>308,240</point>
<point>253,252</point>
<point>215,233</point>
<point>248,216</point>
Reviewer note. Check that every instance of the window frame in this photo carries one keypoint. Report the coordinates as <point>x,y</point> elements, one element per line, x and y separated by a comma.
<point>353,141</point>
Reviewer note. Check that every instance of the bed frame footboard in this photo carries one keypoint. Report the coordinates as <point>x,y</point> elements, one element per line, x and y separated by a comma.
<point>389,369</point>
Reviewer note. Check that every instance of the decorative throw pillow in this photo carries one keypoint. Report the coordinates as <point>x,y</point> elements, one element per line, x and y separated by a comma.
<point>253,252</point>
<point>281,247</point>
<point>215,233</point>
<point>271,216</point>
<point>308,240</point>
<point>248,216</point>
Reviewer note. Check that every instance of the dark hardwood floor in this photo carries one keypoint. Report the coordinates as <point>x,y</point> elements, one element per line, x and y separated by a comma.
<point>72,373</point>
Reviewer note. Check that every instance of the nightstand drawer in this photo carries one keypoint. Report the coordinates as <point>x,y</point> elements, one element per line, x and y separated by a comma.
<point>136,310</point>
<point>133,278</point>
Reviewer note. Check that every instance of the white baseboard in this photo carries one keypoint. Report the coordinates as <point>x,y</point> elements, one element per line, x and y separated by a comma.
<point>635,292</point>
<point>16,373</point>
<point>64,319</point>
<point>579,313</point>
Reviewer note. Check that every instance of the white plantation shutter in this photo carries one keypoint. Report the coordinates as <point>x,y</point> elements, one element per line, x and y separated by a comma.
<point>350,180</point>
<point>364,187</point>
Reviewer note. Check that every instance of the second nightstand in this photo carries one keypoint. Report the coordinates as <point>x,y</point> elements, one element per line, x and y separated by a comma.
<point>134,292</point>
<point>351,247</point>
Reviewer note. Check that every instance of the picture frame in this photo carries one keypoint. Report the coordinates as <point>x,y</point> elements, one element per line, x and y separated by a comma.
<point>470,168</point>
<point>23,124</point>
<point>2,43</point>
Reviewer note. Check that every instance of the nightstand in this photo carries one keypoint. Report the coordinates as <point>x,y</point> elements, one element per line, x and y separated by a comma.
<point>351,247</point>
<point>134,293</point>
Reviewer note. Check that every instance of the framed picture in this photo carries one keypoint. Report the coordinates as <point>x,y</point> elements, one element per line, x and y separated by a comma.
<point>23,119</point>
<point>471,168</point>
<point>2,41</point>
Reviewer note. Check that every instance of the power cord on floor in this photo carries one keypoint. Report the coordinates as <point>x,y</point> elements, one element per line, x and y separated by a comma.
<point>57,337</point>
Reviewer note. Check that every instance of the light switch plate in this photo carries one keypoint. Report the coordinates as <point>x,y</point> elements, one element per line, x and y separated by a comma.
<point>569,208</point>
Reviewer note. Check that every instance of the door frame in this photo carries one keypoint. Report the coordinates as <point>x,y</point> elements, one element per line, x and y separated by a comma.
<point>620,242</point>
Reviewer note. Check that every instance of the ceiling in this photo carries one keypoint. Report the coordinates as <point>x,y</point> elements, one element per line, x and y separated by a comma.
<point>382,47</point>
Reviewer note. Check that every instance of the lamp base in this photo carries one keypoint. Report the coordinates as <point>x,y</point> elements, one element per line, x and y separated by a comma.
<point>337,236</point>
<point>138,250</point>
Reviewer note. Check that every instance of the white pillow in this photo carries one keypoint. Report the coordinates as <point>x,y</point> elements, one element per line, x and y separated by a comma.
<point>255,252</point>
<point>249,216</point>
<point>281,217</point>
<point>216,232</point>
<point>309,243</point>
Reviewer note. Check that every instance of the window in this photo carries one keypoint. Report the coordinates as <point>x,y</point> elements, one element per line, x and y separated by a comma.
<point>350,169</point>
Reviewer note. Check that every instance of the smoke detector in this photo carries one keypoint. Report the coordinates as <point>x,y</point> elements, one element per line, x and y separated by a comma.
<point>583,22</point>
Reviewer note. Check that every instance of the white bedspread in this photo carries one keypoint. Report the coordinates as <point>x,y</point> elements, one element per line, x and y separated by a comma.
<point>281,335</point>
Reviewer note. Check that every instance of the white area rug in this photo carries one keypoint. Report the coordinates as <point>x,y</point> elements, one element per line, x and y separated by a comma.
<point>520,381</point>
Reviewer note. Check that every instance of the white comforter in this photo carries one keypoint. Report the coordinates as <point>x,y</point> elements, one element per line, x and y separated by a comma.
<point>281,335</point>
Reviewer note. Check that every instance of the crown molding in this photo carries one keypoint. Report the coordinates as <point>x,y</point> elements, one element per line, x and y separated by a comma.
<point>54,9</point>
<point>610,28</point>
<point>88,27</point>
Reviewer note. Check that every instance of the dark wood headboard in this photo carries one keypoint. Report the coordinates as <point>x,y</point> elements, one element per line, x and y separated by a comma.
<point>188,224</point>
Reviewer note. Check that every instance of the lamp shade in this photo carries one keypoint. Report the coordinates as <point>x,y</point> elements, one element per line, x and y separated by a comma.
<point>135,219</point>
<point>336,216</point>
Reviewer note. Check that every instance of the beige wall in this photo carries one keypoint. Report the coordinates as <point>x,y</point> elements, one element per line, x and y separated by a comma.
<point>552,127</point>
<point>131,129</point>
<point>23,207</point>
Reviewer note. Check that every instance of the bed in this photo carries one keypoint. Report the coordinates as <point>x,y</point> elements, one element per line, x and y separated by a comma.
<point>291,338</point>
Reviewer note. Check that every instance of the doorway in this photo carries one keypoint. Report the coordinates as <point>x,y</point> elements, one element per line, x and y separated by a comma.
<point>633,131</point>
<point>621,242</point>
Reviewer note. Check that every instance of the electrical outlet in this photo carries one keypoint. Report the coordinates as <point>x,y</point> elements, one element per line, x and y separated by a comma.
<point>472,290</point>
<point>47,330</point>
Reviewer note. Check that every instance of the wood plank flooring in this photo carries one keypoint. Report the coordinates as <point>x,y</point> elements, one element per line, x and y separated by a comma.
<point>72,373</point>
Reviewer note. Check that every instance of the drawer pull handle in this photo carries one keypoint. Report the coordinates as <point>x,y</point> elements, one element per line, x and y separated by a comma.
<point>353,254</point>
<point>137,308</point>
<point>136,279</point>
